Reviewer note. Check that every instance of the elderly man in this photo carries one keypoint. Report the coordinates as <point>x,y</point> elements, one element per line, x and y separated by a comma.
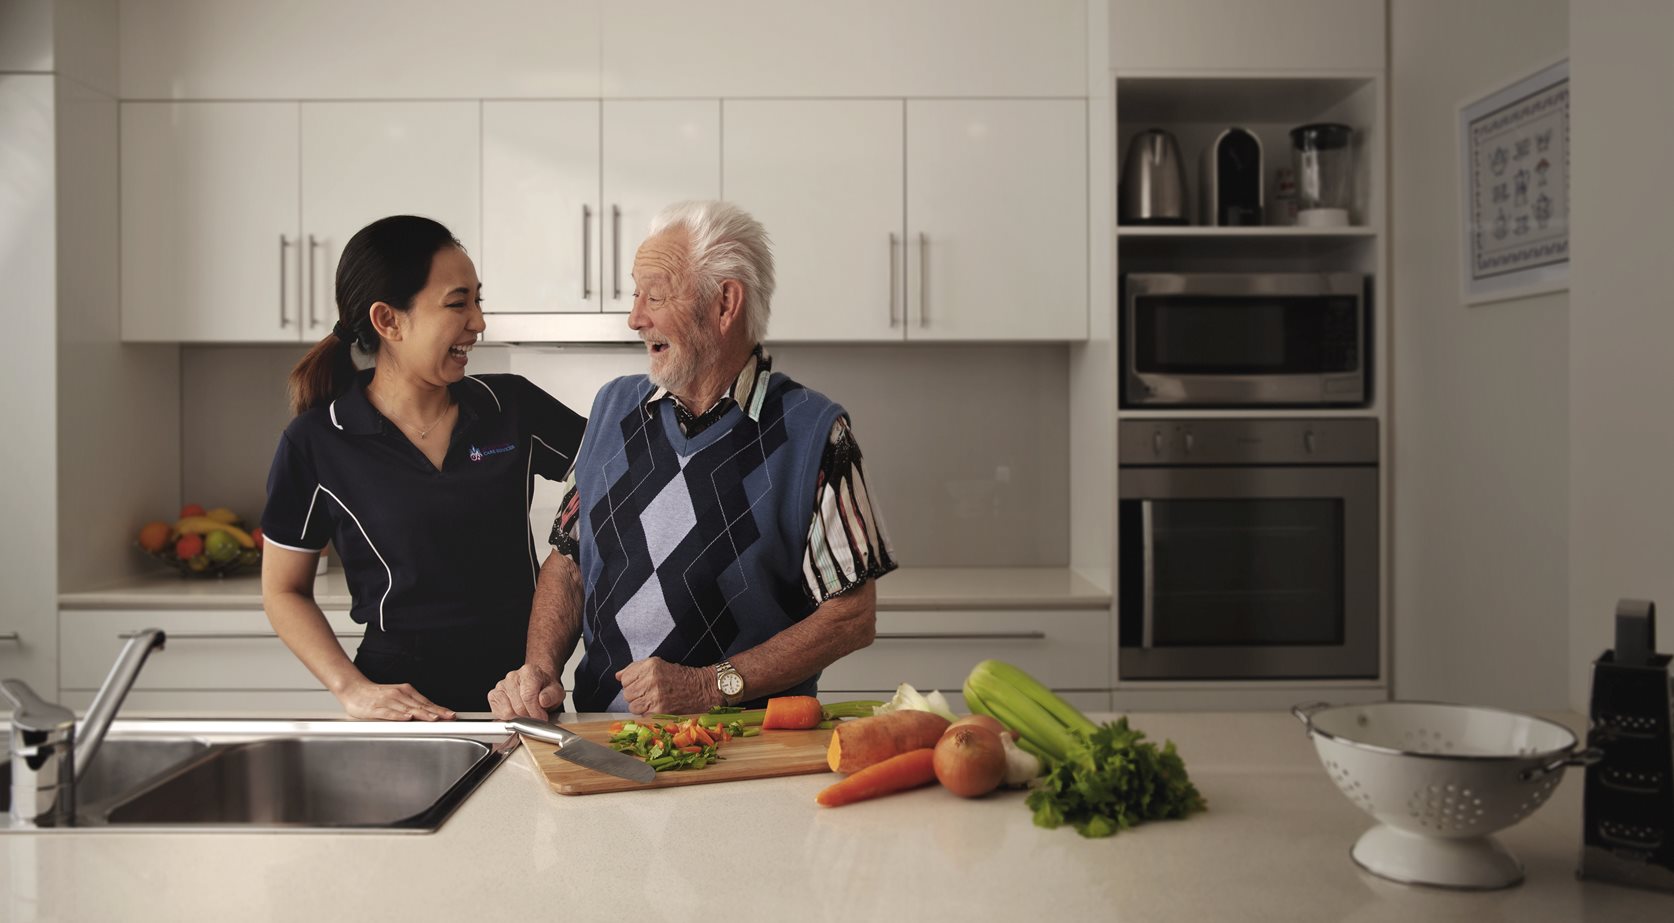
<point>717,542</point>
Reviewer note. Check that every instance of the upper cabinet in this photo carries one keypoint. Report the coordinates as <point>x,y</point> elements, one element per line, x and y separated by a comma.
<point>569,188</point>
<point>1230,35</point>
<point>367,49</point>
<point>745,48</point>
<point>234,214</point>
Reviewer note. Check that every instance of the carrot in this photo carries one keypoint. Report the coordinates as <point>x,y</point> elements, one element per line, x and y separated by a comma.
<point>862,742</point>
<point>793,712</point>
<point>898,773</point>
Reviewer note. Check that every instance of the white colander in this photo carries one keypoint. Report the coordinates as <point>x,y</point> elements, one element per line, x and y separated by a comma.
<point>1439,779</point>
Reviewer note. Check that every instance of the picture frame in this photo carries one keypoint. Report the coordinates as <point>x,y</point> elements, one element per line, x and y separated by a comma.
<point>1514,188</point>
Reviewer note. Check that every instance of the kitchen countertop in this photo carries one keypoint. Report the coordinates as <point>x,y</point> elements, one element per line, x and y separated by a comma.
<point>907,588</point>
<point>1273,846</point>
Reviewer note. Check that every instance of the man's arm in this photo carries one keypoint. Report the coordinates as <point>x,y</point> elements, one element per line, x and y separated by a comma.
<point>536,688</point>
<point>840,626</point>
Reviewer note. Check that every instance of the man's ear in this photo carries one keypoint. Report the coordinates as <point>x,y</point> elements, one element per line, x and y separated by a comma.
<point>731,305</point>
<point>386,320</point>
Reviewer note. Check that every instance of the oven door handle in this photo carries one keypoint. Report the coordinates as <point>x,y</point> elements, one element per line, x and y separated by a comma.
<point>1148,553</point>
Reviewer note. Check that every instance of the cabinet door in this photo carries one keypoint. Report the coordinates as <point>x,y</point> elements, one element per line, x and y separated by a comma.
<point>365,161</point>
<point>655,153</point>
<point>824,177</point>
<point>997,219</point>
<point>210,247</point>
<point>540,205</point>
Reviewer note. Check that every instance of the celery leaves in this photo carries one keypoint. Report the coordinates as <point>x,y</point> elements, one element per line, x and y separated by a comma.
<point>1112,780</point>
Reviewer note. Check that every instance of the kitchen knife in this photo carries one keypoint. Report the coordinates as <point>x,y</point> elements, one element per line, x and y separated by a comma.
<point>585,753</point>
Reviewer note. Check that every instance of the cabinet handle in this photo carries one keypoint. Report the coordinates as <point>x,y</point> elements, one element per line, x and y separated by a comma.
<point>616,253</point>
<point>961,636</point>
<point>284,247</point>
<point>894,281</point>
<point>312,246</point>
<point>1148,605</point>
<point>225,635</point>
<point>11,636</point>
<point>923,272</point>
<point>586,253</point>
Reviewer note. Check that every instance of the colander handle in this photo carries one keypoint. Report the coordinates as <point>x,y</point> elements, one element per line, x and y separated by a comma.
<point>1305,713</point>
<point>1585,757</point>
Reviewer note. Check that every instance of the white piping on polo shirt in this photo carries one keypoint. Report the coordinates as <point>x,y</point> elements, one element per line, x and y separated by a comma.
<point>390,584</point>
<point>490,391</point>
<point>333,410</point>
<point>269,540</point>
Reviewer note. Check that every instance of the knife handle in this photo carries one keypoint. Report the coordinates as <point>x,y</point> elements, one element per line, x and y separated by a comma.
<point>541,730</point>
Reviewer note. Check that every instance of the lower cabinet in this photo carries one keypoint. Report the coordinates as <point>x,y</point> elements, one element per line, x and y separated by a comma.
<point>212,661</point>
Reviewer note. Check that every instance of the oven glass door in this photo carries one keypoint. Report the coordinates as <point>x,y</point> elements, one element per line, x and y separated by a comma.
<point>1249,572</point>
<point>1246,334</point>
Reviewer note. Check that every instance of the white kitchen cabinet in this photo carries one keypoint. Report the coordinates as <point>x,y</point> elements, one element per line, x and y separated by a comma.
<point>362,161</point>
<point>996,219</point>
<point>367,49</point>
<point>540,205</point>
<point>825,177</point>
<point>1066,649</point>
<point>857,48</point>
<point>1226,35</point>
<point>654,153</point>
<point>569,188</point>
<point>210,222</point>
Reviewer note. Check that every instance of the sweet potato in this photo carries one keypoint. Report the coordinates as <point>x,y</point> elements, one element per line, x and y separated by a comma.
<point>864,741</point>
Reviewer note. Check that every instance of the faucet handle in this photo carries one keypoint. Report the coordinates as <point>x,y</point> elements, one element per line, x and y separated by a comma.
<point>30,712</point>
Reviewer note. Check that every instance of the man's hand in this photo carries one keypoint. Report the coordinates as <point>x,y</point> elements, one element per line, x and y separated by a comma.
<point>530,691</point>
<point>656,687</point>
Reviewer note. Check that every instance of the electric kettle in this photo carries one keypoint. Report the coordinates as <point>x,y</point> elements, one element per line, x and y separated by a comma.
<point>1153,181</point>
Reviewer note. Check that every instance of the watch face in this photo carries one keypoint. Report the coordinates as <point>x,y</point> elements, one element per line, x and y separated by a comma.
<point>731,683</point>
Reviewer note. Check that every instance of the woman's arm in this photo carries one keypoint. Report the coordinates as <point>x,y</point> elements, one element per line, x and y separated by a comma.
<point>288,598</point>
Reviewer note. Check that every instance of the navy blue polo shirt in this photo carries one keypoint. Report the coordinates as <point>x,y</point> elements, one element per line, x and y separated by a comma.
<point>425,549</point>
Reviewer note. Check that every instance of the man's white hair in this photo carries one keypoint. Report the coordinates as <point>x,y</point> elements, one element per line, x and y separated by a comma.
<point>725,243</point>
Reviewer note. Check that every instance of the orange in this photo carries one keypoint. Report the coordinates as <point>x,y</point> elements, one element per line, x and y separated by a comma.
<point>155,536</point>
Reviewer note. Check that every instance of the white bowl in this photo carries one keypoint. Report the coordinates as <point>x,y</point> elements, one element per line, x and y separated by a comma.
<point>1440,779</point>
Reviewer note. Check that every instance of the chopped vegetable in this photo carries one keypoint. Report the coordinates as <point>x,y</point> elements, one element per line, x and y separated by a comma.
<point>865,741</point>
<point>909,699</point>
<point>1099,778</point>
<point>793,712</point>
<point>898,773</point>
<point>687,745</point>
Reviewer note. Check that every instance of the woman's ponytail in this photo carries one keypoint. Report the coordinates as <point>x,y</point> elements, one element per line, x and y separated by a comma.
<point>387,261</point>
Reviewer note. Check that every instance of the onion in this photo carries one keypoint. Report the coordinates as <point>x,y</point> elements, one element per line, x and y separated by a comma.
<point>983,721</point>
<point>970,761</point>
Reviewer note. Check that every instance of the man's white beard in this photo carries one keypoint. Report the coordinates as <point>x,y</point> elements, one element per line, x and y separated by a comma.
<point>685,362</point>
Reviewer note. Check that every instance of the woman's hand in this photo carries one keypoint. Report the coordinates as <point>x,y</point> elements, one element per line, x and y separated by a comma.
<point>400,702</point>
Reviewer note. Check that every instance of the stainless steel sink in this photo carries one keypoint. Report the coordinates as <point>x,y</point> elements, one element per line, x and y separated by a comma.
<point>384,783</point>
<point>297,776</point>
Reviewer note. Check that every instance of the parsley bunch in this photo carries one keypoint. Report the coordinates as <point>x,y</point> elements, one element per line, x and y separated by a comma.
<point>1112,781</point>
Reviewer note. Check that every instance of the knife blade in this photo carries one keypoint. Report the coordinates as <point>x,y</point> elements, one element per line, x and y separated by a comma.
<point>584,752</point>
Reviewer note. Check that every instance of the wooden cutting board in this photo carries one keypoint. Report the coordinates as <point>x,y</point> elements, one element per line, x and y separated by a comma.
<point>765,756</point>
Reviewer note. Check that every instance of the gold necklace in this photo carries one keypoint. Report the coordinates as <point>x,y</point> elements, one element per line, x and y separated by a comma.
<point>426,430</point>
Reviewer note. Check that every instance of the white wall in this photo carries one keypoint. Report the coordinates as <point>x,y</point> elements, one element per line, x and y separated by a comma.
<point>1481,403</point>
<point>1622,328</point>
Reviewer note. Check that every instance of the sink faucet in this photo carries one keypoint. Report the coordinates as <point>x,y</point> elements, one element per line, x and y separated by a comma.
<point>46,757</point>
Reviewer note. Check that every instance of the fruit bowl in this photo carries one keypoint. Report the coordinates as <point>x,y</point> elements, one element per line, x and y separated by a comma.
<point>203,543</point>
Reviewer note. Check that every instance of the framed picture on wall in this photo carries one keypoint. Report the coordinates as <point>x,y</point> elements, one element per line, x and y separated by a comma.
<point>1514,186</point>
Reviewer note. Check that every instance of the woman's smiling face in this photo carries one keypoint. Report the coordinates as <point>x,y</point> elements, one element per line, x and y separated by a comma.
<point>444,322</point>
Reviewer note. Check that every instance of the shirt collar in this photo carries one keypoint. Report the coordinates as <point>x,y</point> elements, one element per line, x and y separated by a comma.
<point>748,389</point>
<point>352,411</point>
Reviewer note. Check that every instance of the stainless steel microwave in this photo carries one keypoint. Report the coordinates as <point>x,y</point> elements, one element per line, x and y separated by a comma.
<point>1245,339</point>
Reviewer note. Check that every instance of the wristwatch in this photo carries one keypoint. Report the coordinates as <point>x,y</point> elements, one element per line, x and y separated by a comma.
<point>730,682</point>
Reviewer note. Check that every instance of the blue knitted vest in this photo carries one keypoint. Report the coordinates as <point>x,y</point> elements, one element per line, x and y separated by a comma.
<point>691,549</point>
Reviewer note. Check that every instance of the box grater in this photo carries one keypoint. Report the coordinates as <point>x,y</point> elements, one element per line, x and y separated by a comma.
<point>1628,807</point>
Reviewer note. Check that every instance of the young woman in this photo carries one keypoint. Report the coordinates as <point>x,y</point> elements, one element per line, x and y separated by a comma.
<point>420,475</point>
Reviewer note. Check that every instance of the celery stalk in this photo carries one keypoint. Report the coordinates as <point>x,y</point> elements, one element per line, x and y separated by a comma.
<point>1064,712</point>
<point>1016,710</point>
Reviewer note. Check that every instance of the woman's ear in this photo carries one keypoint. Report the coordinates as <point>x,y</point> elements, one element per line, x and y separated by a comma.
<point>386,321</point>
<point>731,304</point>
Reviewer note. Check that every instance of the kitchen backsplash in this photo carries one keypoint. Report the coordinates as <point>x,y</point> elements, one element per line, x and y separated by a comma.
<point>966,447</point>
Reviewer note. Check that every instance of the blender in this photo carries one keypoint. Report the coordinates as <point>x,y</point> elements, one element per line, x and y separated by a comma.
<point>1323,154</point>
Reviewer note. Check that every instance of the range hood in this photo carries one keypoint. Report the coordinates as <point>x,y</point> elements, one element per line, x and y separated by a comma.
<point>516,327</point>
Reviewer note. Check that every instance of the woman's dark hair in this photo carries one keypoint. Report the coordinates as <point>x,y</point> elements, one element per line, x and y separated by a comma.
<point>388,261</point>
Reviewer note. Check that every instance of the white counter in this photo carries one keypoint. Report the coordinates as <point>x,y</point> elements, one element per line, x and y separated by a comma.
<point>1273,846</point>
<point>907,588</point>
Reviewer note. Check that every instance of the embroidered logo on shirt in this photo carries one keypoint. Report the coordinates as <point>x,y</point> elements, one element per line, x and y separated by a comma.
<point>479,454</point>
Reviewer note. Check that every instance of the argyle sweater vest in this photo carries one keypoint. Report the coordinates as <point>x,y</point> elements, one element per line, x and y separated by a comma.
<point>691,548</point>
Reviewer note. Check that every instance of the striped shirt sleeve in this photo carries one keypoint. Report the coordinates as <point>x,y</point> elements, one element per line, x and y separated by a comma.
<point>847,542</point>
<point>566,527</point>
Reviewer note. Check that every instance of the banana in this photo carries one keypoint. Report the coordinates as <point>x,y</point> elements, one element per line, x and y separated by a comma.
<point>222,514</point>
<point>203,525</point>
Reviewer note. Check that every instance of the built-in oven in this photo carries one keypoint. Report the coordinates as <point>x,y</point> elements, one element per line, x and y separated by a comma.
<point>1245,339</point>
<point>1249,549</point>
